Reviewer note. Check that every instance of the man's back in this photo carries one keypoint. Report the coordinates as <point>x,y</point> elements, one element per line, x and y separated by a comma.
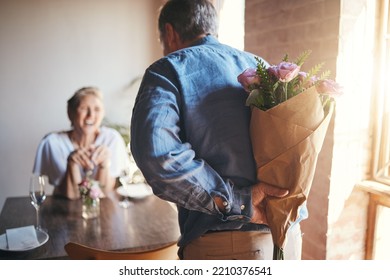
<point>199,131</point>
<point>215,118</point>
<point>190,138</point>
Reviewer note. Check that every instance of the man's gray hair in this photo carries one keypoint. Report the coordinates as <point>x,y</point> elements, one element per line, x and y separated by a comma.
<point>190,18</point>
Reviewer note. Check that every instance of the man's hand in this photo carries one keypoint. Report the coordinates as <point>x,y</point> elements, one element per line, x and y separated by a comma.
<point>259,192</point>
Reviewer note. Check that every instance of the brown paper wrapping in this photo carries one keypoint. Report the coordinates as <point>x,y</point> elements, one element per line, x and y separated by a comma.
<point>286,142</point>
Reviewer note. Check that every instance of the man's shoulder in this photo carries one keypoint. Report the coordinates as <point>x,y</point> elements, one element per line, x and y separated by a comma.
<point>202,53</point>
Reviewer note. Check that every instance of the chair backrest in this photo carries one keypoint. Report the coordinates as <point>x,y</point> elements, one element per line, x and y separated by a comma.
<point>78,251</point>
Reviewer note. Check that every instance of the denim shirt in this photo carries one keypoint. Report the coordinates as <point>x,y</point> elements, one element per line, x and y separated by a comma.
<point>190,136</point>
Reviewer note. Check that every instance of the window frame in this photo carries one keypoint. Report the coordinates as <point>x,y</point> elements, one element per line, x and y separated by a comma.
<point>381,158</point>
<point>378,188</point>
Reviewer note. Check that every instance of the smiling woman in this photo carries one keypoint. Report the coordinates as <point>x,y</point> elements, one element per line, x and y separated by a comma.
<point>88,149</point>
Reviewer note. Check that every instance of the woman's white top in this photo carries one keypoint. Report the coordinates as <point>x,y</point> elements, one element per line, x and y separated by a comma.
<point>54,149</point>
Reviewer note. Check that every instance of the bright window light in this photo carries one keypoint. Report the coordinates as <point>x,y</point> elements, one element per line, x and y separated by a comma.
<point>231,23</point>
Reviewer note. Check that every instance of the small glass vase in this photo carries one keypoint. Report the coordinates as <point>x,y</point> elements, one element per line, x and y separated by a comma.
<point>91,208</point>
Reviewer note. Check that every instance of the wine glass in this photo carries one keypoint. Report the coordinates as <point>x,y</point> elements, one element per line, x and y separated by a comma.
<point>37,194</point>
<point>126,180</point>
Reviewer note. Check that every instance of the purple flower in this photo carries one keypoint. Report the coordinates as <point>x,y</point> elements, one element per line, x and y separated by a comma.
<point>95,191</point>
<point>329,87</point>
<point>273,71</point>
<point>306,83</point>
<point>286,71</point>
<point>90,188</point>
<point>248,79</point>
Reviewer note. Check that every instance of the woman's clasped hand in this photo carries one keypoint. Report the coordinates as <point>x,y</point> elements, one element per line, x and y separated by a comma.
<point>90,157</point>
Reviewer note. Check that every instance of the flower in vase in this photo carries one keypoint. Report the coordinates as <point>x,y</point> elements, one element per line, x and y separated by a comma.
<point>90,188</point>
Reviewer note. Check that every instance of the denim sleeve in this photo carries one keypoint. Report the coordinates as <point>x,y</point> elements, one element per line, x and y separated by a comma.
<point>168,163</point>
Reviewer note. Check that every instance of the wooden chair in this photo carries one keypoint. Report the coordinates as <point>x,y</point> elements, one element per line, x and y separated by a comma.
<point>78,251</point>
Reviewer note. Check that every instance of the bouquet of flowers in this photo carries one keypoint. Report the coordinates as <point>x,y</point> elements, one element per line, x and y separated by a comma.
<point>291,111</point>
<point>90,190</point>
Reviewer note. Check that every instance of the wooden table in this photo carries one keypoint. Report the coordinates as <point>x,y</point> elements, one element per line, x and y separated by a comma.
<point>148,223</point>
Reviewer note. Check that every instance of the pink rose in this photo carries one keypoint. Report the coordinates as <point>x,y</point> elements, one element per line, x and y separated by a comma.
<point>329,87</point>
<point>84,183</point>
<point>273,71</point>
<point>95,191</point>
<point>287,71</point>
<point>306,84</point>
<point>248,79</point>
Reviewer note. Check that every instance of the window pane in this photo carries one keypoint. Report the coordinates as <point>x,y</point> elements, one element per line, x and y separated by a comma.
<point>382,234</point>
<point>383,157</point>
<point>231,23</point>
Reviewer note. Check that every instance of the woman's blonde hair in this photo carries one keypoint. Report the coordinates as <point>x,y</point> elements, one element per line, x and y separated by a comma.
<point>74,101</point>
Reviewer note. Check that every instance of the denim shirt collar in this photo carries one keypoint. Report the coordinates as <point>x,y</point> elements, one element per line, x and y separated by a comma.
<point>206,40</point>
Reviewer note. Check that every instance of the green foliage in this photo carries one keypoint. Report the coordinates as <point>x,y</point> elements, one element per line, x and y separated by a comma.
<point>302,57</point>
<point>123,130</point>
<point>324,75</point>
<point>265,99</point>
<point>271,91</point>
<point>315,70</point>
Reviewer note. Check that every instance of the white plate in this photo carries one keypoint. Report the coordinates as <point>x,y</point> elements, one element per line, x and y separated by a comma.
<point>137,191</point>
<point>42,237</point>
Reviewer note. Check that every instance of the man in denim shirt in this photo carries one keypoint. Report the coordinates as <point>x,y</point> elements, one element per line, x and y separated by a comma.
<point>190,138</point>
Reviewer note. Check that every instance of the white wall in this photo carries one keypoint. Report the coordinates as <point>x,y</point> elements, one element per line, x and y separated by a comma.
<point>49,49</point>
